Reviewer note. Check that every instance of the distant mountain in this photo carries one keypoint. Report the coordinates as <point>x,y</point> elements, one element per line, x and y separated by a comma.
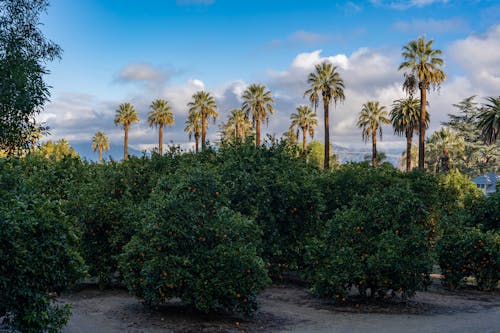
<point>115,152</point>
<point>345,154</point>
<point>358,155</point>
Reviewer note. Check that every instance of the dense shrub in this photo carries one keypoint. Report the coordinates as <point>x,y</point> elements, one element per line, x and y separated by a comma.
<point>340,186</point>
<point>470,245</point>
<point>194,248</point>
<point>380,243</point>
<point>470,252</point>
<point>484,212</point>
<point>38,255</point>
<point>99,205</point>
<point>458,190</point>
<point>277,190</point>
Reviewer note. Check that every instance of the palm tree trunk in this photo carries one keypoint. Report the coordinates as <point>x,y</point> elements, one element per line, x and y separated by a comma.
<point>160,141</point>
<point>100,155</point>
<point>196,139</point>
<point>257,132</point>
<point>125,144</point>
<point>374,149</point>
<point>304,140</point>
<point>326,104</point>
<point>408,151</point>
<point>203,130</point>
<point>421,138</point>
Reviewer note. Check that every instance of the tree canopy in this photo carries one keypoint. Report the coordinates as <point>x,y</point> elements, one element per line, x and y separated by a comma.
<point>24,52</point>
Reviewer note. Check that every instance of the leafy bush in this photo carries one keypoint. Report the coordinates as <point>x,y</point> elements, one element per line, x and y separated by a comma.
<point>99,206</point>
<point>380,243</point>
<point>194,248</point>
<point>469,252</point>
<point>484,212</point>
<point>340,186</point>
<point>279,192</point>
<point>38,255</point>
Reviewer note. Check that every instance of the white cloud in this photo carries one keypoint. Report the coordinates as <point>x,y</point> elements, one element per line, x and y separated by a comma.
<point>308,38</point>
<point>422,26</point>
<point>368,74</point>
<point>479,57</point>
<point>144,73</point>
<point>301,38</point>
<point>405,4</point>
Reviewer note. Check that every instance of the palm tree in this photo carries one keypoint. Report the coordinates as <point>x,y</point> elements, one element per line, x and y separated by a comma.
<point>325,81</point>
<point>125,116</point>
<point>489,120</point>
<point>403,163</point>
<point>204,104</point>
<point>100,142</point>
<point>421,64</point>
<point>193,127</point>
<point>258,102</point>
<point>371,117</point>
<point>445,149</point>
<point>405,119</point>
<point>306,120</point>
<point>237,126</point>
<point>160,115</point>
<point>290,137</point>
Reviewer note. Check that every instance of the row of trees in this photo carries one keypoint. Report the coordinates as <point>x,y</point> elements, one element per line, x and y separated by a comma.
<point>422,70</point>
<point>24,51</point>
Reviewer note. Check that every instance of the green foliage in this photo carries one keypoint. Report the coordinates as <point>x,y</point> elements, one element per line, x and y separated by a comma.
<point>341,186</point>
<point>485,212</point>
<point>316,155</point>
<point>24,52</point>
<point>469,252</point>
<point>38,255</point>
<point>373,245</point>
<point>55,150</point>
<point>279,192</point>
<point>470,245</point>
<point>460,187</point>
<point>193,247</point>
<point>478,157</point>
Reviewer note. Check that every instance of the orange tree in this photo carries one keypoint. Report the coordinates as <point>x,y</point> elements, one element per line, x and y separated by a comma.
<point>277,190</point>
<point>470,245</point>
<point>195,248</point>
<point>380,244</point>
<point>38,255</point>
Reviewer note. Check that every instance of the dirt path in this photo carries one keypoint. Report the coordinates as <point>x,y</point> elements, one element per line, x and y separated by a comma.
<point>292,309</point>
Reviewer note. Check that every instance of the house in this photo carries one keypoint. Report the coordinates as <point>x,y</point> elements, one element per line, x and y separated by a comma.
<point>487,182</point>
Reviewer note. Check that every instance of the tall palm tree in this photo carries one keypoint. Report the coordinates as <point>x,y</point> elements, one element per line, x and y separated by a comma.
<point>204,104</point>
<point>100,142</point>
<point>290,137</point>
<point>405,119</point>
<point>125,116</point>
<point>445,149</point>
<point>260,104</point>
<point>421,64</point>
<point>238,125</point>
<point>306,120</point>
<point>325,81</point>
<point>160,115</point>
<point>193,127</point>
<point>371,118</point>
<point>489,120</point>
<point>403,163</point>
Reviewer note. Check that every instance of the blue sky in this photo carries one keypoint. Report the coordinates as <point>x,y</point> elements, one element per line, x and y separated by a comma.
<point>128,50</point>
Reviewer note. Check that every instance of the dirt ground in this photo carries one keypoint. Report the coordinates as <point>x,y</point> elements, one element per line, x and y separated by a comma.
<point>287,308</point>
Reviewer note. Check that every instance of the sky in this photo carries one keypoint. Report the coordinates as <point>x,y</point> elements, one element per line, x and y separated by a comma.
<point>133,51</point>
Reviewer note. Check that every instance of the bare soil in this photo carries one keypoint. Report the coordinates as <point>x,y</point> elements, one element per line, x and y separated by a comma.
<point>289,308</point>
